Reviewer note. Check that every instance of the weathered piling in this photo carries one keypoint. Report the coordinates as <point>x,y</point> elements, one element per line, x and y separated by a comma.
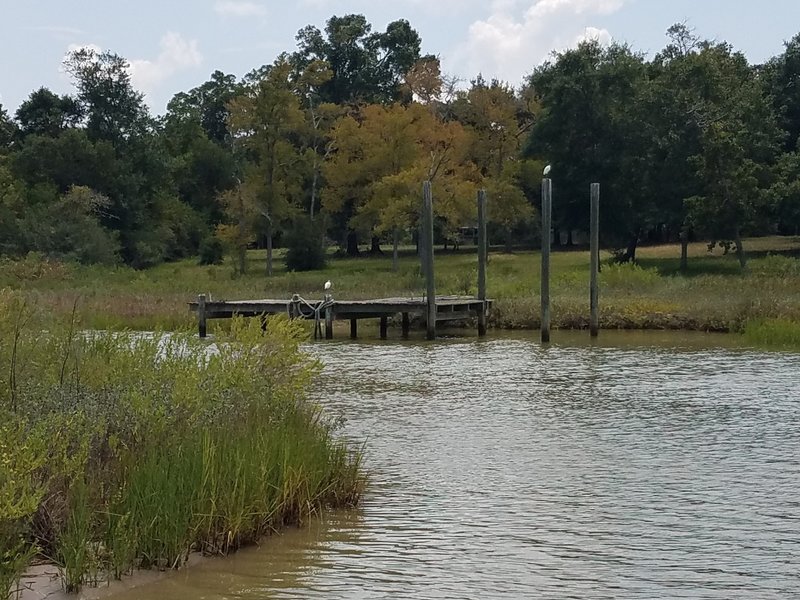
<point>427,220</point>
<point>594,261</point>
<point>384,327</point>
<point>201,315</point>
<point>482,257</point>
<point>547,190</point>
<point>328,323</point>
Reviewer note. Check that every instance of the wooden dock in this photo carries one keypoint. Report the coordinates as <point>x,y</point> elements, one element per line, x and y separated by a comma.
<point>448,308</point>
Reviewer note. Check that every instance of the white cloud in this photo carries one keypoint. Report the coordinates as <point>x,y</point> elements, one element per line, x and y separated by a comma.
<point>517,35</point>
<point>239,8</point>
<point>594,34</point>
<point>176,55</point>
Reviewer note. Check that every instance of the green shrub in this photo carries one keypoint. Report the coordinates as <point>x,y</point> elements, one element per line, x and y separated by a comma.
<point>211,251</point>
<point>304,249</point>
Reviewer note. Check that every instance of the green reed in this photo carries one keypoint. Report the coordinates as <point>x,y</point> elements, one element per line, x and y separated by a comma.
<point>151,447</point>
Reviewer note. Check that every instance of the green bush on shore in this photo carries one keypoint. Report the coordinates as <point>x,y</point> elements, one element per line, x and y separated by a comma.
<point>121,450</point>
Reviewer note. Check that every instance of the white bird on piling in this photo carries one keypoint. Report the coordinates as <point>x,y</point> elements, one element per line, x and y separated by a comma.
<point>546,171</point>
<point>328,285</point>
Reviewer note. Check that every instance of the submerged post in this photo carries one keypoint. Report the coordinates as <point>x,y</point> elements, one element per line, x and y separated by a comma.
<point>594,261</point>
<point>384,327</point>
<point>547,191</point>
<point>201,315</point>
<point>328,323</point>
<point>482,252</point>
<point>427,237</point>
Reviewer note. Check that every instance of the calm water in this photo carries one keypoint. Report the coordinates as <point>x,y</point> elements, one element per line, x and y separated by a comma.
<point>650,466</point>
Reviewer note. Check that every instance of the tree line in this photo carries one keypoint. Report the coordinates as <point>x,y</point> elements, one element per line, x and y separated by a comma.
<point>332,141</point>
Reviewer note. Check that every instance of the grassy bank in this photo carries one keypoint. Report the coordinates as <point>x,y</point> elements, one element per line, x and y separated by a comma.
<point>713,294</point>
<point>121,451</point>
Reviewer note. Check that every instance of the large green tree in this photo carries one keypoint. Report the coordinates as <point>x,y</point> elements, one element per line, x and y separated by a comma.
<point>366,66</point>
<point>265,121</point>
<point>46,113</point>
<point>590,130</point>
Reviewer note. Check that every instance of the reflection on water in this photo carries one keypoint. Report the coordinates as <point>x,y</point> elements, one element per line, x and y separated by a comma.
<point>502,469</point>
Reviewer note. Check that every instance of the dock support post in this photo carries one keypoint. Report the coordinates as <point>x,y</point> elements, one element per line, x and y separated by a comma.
<point>547,191</point>
<point>353,328</point>
<point>201,315</point>
<point>384,327</point>
<point>594,262</point>
<point>406,325</point>
<point>329,323</point>
<point>427,219</point>
<point>482,257</point>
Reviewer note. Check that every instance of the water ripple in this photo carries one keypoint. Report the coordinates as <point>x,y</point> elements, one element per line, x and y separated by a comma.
<point>501,469</point>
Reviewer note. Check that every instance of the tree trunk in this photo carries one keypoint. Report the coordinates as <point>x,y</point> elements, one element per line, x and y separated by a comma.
<point>240,242</point>
<point>269,251</point>
<point>395,243</point>
<point>313,191</point>
<point>375,247</point>
<point>684,251</point>
<point>352,243</point>
<point>630,250</point>
<point>740,250</point>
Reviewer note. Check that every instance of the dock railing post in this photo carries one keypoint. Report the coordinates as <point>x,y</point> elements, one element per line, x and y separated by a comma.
<point>201,315</point>
<point>547,191</point>
<point>594,261</point>
<point>427,219</point>
<point>482,257</point>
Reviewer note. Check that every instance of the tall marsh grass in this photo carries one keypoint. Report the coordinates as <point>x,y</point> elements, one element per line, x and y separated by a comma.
<point>121,450</point>
<point>780,334</point>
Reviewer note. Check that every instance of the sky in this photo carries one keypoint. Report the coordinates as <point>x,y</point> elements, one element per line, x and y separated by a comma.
<point>174,45</point>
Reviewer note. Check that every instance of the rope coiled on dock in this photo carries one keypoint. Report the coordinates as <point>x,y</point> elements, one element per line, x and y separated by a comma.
<point>315,311</point>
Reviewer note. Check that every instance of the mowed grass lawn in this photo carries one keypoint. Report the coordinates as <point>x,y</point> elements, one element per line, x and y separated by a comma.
<point>714,294</point>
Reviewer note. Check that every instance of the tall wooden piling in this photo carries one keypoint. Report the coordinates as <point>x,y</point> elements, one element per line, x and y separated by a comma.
<point>547,191</point>
<point>201,315</point>
<point>427,237</point>
<point>482,257</point>
<point>594,261</point>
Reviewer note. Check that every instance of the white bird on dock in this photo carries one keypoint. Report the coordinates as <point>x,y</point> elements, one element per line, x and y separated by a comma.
<point>328,285</point>
<point>546,171</point>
